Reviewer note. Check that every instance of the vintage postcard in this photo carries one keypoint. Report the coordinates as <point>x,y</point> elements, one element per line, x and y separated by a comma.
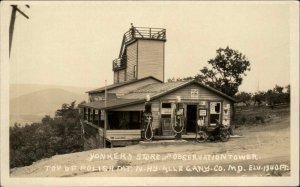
<point>150,93</point>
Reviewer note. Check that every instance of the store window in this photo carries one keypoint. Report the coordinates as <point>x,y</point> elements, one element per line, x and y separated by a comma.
<point>166,116</point>
<point>215,112</point>
<point>166,110</point>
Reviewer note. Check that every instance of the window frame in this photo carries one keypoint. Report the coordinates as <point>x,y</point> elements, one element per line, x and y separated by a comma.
<point>215,113</point>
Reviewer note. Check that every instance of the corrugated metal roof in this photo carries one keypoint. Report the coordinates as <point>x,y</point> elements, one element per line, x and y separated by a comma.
<point>153,90</point>
<point>159,87</point>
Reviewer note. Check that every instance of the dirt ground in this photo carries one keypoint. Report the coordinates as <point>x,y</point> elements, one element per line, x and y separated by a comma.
<point>263,150</point>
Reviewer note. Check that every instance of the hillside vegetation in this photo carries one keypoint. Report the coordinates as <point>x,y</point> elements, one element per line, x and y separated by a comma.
<point>58,135</point>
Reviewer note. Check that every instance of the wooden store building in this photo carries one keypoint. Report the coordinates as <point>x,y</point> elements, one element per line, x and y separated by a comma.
<point>114,114</point>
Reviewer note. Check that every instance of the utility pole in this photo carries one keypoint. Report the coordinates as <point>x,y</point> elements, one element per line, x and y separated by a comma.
<point>15,9</point>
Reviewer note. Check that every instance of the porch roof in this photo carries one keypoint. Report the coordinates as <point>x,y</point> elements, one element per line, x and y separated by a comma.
<point>112,103</point>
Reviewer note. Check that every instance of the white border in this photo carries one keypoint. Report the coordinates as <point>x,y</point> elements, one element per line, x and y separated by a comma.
<point>293,180</point>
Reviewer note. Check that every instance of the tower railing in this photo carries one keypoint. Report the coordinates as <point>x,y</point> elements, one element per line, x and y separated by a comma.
<point>142,33</point>
<point>145,33</point>
<point>120,63</point>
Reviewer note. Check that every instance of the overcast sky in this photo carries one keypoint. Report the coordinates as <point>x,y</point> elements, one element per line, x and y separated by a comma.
<point>75,44</point>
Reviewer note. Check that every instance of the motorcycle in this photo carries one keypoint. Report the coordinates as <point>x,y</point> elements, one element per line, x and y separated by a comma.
<point>212,133</point>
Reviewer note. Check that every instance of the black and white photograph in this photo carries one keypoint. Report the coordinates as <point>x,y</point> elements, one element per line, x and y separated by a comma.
<point>149,93</point>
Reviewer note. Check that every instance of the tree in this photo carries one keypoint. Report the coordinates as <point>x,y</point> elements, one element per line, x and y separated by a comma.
<point>272,97</point>
<point>180,79</point>
<point>259,97</point>
<point>278,89</point>
<point>58,135</point>
<point>226,72</point>
<point>244,97</point>
<point>277,95</point>
<point>288,94</point>
<point>65,110</point>
<point>288,89</point>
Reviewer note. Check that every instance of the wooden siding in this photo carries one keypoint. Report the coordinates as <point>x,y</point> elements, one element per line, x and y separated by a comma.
<point>122,75</point>
<point>150,59</point>
<point>123,134</point>
<point>115,77</point>
<point>93,136</point>
<point>101,96</point>
<point>203,95</point>
<point>95,96</point>
<point>131,60</point>
<point>137,107</point>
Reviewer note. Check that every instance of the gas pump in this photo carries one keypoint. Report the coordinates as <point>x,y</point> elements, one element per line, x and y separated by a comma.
<point>147,120</point>
<point>178,124</point>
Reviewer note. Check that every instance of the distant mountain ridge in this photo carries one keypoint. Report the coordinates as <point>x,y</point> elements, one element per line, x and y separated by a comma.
<point>33,106</point>
<point>16,90</point>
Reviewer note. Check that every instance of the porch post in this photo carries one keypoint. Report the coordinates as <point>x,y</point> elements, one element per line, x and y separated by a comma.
<point>99,117</point>
<point>93,120</point>
<point>84,113</point>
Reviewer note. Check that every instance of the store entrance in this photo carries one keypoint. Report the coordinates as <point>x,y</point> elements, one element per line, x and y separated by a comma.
<point>191,116</point>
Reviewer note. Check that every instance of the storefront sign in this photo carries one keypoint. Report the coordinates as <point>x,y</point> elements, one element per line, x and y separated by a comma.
<point>202,112</point>
<point>102,115</point>
<point>194,93</point>
<point>166,111</point>
<point>180,112</point>
<point>226,110</point>
<point>226,115</point>
<point>225,121</point>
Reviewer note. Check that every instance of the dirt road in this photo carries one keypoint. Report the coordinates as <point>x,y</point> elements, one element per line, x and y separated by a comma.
<point>263,150</point>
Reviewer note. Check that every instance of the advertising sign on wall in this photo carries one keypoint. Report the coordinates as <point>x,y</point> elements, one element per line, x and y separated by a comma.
<point>166,111</point>
<point>194,93</point>
<point>202,112</point>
